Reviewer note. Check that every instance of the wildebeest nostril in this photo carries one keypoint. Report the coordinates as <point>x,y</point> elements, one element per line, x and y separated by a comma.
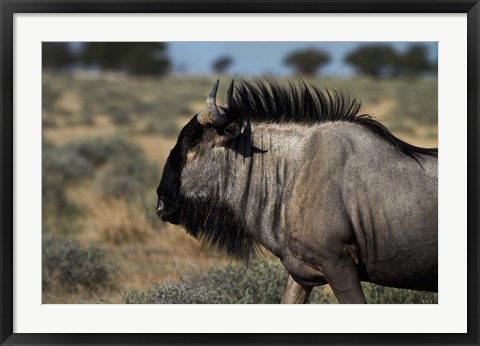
<point>160,206</point>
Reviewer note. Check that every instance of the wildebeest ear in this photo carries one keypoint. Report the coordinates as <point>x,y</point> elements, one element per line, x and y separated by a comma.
<point>232,130</point>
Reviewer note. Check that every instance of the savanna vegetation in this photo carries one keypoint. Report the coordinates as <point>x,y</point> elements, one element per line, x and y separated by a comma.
<point>105,139</point>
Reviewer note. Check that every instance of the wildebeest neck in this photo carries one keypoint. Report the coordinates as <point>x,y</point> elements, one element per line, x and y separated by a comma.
<point>237,194</point>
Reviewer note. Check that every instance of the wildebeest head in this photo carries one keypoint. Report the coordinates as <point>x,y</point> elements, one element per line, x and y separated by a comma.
<point>214,125</point>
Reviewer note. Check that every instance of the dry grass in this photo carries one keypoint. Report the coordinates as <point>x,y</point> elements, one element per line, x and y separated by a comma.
<point>155,148</point>
<point>419,134</point>
<point>102,127</point>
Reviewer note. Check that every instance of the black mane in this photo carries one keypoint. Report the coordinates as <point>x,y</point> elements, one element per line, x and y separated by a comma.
<point>264,100</point>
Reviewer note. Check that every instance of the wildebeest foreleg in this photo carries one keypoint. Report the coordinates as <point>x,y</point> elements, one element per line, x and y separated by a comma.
<point>345,283</point>
<point>295,293</point>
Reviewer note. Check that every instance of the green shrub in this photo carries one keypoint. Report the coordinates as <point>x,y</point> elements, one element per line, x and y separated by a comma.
<point>120,117</point>
<point>417,101</point>
<point>54,198</point>
<point>67,266</point>
<point>386,295</point>
<point>262,282</point>
<point>128,177</point>
<point>98,151</point>
<point>60,167</point>
<point>119,112</point>
<point>65,164</point>
<point>167,127</point>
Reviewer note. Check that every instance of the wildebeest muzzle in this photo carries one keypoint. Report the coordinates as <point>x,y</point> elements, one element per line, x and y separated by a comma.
<point>168,211</point>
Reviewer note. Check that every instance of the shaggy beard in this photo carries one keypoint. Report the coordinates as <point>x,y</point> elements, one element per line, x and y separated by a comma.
<point>217,225</point>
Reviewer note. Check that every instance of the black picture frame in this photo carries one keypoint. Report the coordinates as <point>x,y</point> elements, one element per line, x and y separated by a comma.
<point>10,7</point>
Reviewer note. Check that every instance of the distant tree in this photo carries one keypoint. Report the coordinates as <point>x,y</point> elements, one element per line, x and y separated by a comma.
<point>147,58</point>
<point>139,58</point>
<point>222,64</point>
<point>415,62</point>
<point>308,61</point>
<point>374,60</point>
<point>104,55</point>
<point>57,56</point>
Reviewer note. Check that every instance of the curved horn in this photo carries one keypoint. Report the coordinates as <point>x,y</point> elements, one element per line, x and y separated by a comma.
<point>211,100</point>
<point>228,97</point>
<point>212,114</point>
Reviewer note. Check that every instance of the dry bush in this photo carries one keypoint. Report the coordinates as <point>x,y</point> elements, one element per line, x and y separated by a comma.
<point>68,267</point>
<point>261,282</point>
<point>101,150</point>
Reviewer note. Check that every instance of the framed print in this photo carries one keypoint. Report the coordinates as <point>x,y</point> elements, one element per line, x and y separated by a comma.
<point>172,171</point>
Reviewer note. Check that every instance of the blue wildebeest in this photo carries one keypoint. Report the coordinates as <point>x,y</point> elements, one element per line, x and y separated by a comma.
<point>333,194</point>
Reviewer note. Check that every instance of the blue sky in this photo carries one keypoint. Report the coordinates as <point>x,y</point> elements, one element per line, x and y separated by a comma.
<point>266,57</point>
